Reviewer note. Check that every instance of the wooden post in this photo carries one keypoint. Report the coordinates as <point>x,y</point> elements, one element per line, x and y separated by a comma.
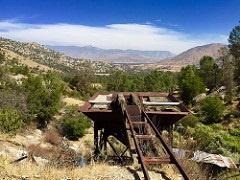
<point>96,151</point>
<point>170,135</point>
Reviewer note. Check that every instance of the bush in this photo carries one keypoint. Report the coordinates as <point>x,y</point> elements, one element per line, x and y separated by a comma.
<point>10,120</point>
<point>190,84</point>
<point>2,57</point>
<point>52,137</point>
<point>15,100</point>
<point>24,70</point>
<point>234,132</point>
<point>43,96</point>
<point>212,108</point>
<point>189,120</point>
<point>74,124</point>
<point>213,139</point>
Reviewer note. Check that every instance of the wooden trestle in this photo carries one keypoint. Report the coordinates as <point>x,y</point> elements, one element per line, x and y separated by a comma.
<point>137,128</point>
<point>145,136</point>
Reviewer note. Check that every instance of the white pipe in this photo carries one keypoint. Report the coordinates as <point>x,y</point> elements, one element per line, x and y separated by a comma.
<point>99,102</point>
<point>161,103</point>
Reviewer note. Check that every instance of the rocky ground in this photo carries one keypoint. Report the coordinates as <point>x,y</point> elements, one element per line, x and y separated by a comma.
<point>34,167</point>
<point>43,154</point>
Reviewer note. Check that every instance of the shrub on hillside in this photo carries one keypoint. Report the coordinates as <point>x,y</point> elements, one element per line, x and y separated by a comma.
<point>2,57</point>
<point>43,96</point>
<point>214,139</point>
<point>74,124</point>
<point>15,100</point>
<point>190,84</point>
<point>212,108</point>
<point>20,70</point>
<point>52,137</point>
<point>10,120</point>
<point>189,120</point>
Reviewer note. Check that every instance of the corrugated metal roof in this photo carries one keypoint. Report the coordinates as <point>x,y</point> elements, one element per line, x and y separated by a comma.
<point>217,159</point>
<point>102,101</point>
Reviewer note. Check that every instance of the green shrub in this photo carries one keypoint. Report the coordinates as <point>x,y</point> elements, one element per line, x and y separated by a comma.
<point>190,84</point>
<point>20,70</point>
<point>74,123</point>
<point>2,57</point>
<point>10,120</point>
<point>214,139</point>
<point>74,94</point>
<point>189,120</point>
<point>212,108</point>
<point>15,100</point>
<point>43,96</point>
<point>234,132</point>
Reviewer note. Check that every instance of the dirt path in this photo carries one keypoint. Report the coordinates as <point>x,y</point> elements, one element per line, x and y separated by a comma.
<point>72,101</point>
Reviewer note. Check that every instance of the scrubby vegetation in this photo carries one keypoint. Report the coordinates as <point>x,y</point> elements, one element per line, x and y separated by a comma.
<point>212,109</point>
<point>34,97</point>
<point>27,98</point>
<point>74,123</point>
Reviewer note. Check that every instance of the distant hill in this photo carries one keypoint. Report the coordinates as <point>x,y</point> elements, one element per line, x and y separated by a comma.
<point>39,56</point>
<point>192,56</point>
<point>26,51</point>
<point>112,55</point>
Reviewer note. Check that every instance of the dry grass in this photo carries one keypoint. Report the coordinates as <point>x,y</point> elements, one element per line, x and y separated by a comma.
<point>61,162</point>
<point>72,101</point>
<point>52,137</point>
<point>44,152</point>
<point>25,61</point>
<point>30,171</point>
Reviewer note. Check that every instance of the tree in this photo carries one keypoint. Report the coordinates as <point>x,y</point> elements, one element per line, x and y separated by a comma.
<point>43,96</point>
<point>2,57</point>
<point>158,81</point>
<point>74,123</point>
<point>234,42</point>
<point>2,68</point>
<point>234,47</point>
<point>212,108</point>
<point>226,63</point>
<point>10,120</point>
<point>190,84</point>
<point>209,72</point>
<point>82,81</point>
<point>119,81</point>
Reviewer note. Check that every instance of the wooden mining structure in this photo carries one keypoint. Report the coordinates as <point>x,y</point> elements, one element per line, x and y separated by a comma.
<point>137,120</point>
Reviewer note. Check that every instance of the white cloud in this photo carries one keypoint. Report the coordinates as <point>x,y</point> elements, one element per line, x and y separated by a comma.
<point>114,36</point>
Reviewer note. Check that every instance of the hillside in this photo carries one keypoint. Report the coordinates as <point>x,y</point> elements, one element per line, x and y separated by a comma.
<point>112,55</point>
<point>192,56</point>
<point>38,56</point>
<point>44,56</point>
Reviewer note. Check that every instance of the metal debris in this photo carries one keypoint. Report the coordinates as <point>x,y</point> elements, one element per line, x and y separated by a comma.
<point>217,159</point>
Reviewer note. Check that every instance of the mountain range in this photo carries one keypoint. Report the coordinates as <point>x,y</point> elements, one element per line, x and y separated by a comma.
<point>112,55</point>
<point>36,53</point>
<point>189,57</point>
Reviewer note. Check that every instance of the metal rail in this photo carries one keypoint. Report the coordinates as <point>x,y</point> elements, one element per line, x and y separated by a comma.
<point>144,134</point>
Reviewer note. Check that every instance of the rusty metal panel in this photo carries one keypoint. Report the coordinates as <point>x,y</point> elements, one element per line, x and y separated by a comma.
<point>216,159</point>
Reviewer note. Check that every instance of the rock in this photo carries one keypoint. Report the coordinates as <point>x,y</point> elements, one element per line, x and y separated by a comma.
<point>199,98</point>
<point>40,161</point>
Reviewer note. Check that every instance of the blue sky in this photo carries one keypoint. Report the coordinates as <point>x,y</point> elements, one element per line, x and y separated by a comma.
<point>173,25</point>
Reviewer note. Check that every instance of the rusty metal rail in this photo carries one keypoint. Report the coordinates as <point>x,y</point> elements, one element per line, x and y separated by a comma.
<point>150,146</point>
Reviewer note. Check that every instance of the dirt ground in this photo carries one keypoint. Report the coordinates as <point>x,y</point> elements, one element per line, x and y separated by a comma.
<point>13,148</point>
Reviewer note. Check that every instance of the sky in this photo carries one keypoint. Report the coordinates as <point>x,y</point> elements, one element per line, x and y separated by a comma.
<point>169,25</point>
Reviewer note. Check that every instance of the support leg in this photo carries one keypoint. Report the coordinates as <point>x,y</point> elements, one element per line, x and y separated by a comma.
<point>96,151</point>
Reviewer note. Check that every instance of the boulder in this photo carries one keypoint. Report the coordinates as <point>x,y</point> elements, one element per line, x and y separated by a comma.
<point>199,98</point>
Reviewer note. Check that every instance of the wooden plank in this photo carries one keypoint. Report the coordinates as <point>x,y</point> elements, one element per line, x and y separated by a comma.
<point>156,160</point>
